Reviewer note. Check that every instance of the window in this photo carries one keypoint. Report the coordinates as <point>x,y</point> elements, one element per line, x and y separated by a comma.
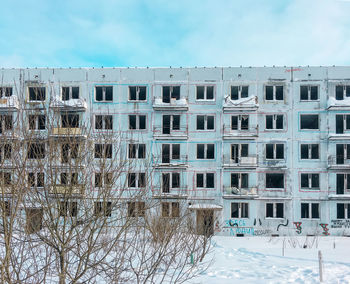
<point>239,122</point>
<point>5,152</point>
<point>37,122</point>
<point>342,123</point>
<point>137,93</point>
<point>341,92</point>
<point>5,207</point>
<point>5,92</point>
<point>205,122</point>
<point>6,123</point>
<point>205,93</point>
<point>238,151</point>
<point>37,94</point>
<point>69,151</point>
<point>104,93</point>
<point>171,92</point>
<point>136,180</point>
<point>343,210</point>
<point>309,121</point>
<point>310,210</point>
<point>310,181</point>
<point>36,150</point>
<point>309,151</point>
<point>308,93</point>
<point>274,180</point>
<point>274,151</point>
<point>239,92</point>
<point>70,120</point>
<point>68,209</point>
<point>170,122</point>
<point>205,180</point>
<point>70,93</point>
<point>170,152</point>
<point>5,178</point>
<point>36,179</point>
<point>69,178</point>
<point>342,153</point>
<point>169,181</point>
<point>205,151</point>
<point>274,210</point>
<point>239,180</point>
<point>137,122</point>
<point>343,183</point>
<point>239,210</point>
<point>104,122</point>
<point>103,208</point>
<point>274,93</point>
<point>103,179</point>
<point>103,151</point>
<point>274,121</point>
<point>34,221</point>
<point>136,209</point>
<point>137,151</point>
<point>170,209</point>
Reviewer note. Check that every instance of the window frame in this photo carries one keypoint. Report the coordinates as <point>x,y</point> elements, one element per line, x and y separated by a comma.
<point>309,87</point>
<point>4,91</point>
<point>205,99</point>
<point>137,116</point>
<point>240,210</point>
<point>274,86</point>
<point>310,211</point>
<point>274,122</point>
<point>172,212</point>
<point>240,88</point>
<point>205,156</point>
<point>104,122</point>
<point>274,173</point>
<point>205,122</point>
<point>37,94</point>
<point>137,151</point>
<point>70,92</point>
<point>346,208</point>
<point>205,180</point>
<point>104,151</point>
<point>275,152</point>
<point>138,100</point>
<point>310,181</point>
<point>274,210</point>
<point>104,91</point>
<point>310,151</point>
<point>310,129</point>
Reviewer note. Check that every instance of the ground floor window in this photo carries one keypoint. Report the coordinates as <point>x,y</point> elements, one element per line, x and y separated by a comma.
<point>274,210</point>
<point>239,210</point>
<point>310,210</point>
<point>343,210</point>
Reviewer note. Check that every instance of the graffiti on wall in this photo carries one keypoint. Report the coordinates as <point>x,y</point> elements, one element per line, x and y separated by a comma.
<point>340,224</point>
<point>325,229</point>
<point>285,225</point>
<point>298,227</point>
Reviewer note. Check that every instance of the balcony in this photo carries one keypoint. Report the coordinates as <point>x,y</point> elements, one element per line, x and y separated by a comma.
<point>338,163</point>
<point>164,133</point>
<point>164,162</point>
<point>181,104</point>
<point>246,104</point>
<point>234,192</point>
<point>9,103</point>
<point>67,189</point>
<point>344,195</point>
<point>241,162</point>
<point>274,163</point>
<point>162,192</point>
<point>67,132</point>
<point>333,104</point>
<point>9,134</point>
<point>69,105</point>
<point>249,133</point>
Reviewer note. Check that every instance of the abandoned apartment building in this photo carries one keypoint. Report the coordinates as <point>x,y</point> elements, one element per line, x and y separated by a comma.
<point>249,151</point>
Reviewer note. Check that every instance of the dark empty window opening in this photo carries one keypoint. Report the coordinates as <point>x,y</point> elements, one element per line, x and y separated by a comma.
<point>171,93</point>
<point>137,93</point>
<point>36,150</point>
<point>342,123</point>
<point>136,180</point>
<point>239,180</point>
<point>341,92</point>
<point>170,122</point>
<point>310,181</point>
<point>205,151</point>
<point>274,121</point>
<point>137,151</point>
<point>343,183</point>
<point>274,180</point>
<point>239,92</point>
<point>103,208</point>
<point>275,151</point>
<point>170,152</point>
<point>239,210</point>
<point>5,152</point>
<point>205,122</point>
<point>205,93</point>
<point>308,93</point>
<point>309,121</point>
<point>6,123</point>
<point>239,122</point>
<point>343,210</point>
<point>137,122</point>
<point>309,151</point>
<point>69,93</point>
<point>238,151</point>
<point>103,151</point>
<point>37,122</point>
<point>70,120</point>
<point>37,94</point>
<point>205,180</point>
<point>274,210</point>
<point>104,93</point>
<point>274,93</point>
<point>136,209</point>
<point>5,92</point>
<point>170,181</point>
<point>310,211</point>
<point>104,122</point>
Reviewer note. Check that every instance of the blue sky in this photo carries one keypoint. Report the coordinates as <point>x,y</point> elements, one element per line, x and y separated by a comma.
<point>47,33</point>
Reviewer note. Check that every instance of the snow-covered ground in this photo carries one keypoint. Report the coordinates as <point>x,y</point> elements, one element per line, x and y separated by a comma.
<point>260,260</point>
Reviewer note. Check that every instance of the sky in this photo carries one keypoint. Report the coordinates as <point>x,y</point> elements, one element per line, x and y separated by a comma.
<point>186,33</point>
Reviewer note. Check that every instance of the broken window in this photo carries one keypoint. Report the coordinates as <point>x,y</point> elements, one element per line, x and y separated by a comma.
<point>171,93</point>
<point>341,92</point>
<point>34,218</point>
<point>104,122</point>
<point>169,181</point>
<point>205,180</point>
<point>103,208</point>
<point>239,122</point>
<point>274,151</point>
<point>274,121</point>
<point>137,151</point>
<point>343,183</point>
<point>205,93</point>
<point>170,151</point>
<point>5,92</point>
<point>309,151</point>
<point>205,151</point>
<point>205,122</point>
<point>274,93</point>
<point>5,151</point>
<point>35,150</point>
<point>103,151</point>
<point>310,211</point>
<point>136,180</point>
<point>137,122</point>
<point>238,151</point>
<point>309,121</point>
<point>70,120</point>
<point>68,208</point>
<point>308,93</point>
<point>36,179</point>
<point>70,93</point>
<point>274,210</point>
<point>274,180</point>
<point>343,210</point>
<point>239,92</point>
<point>137,93</point>
<point>170,209</point>
<point>37,122</point>
<point>239,180</point>
<point>239,210</point>
<point>37,94</point>
<point>310,181</point>
<point>170,122</point>
<point>104,93</point>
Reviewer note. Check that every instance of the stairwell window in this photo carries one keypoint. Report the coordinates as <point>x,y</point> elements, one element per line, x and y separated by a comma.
<point>104,93</point>
<point>137,93</point>
<point>103,180</point>
<point>239,92</point>
<point>274,210</point>
<point>310,210</point>
<point>205,122</point>
<point>170,181</point>
<point>274,93</point>
<point>205,180</point>
<point>205,93</point>
<point>35,150</point>
<point>6,123</point>
<point>205,151</point>
<point>310,181</point>
<point>308,93</point>
<point>274,121</point>
<point>69,93</point>
<point>239,210</point>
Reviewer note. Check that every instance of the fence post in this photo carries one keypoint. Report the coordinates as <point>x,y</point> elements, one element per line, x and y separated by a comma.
<point>320,264</point>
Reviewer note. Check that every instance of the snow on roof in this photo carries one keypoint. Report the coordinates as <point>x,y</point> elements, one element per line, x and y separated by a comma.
<point>252,100</point>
